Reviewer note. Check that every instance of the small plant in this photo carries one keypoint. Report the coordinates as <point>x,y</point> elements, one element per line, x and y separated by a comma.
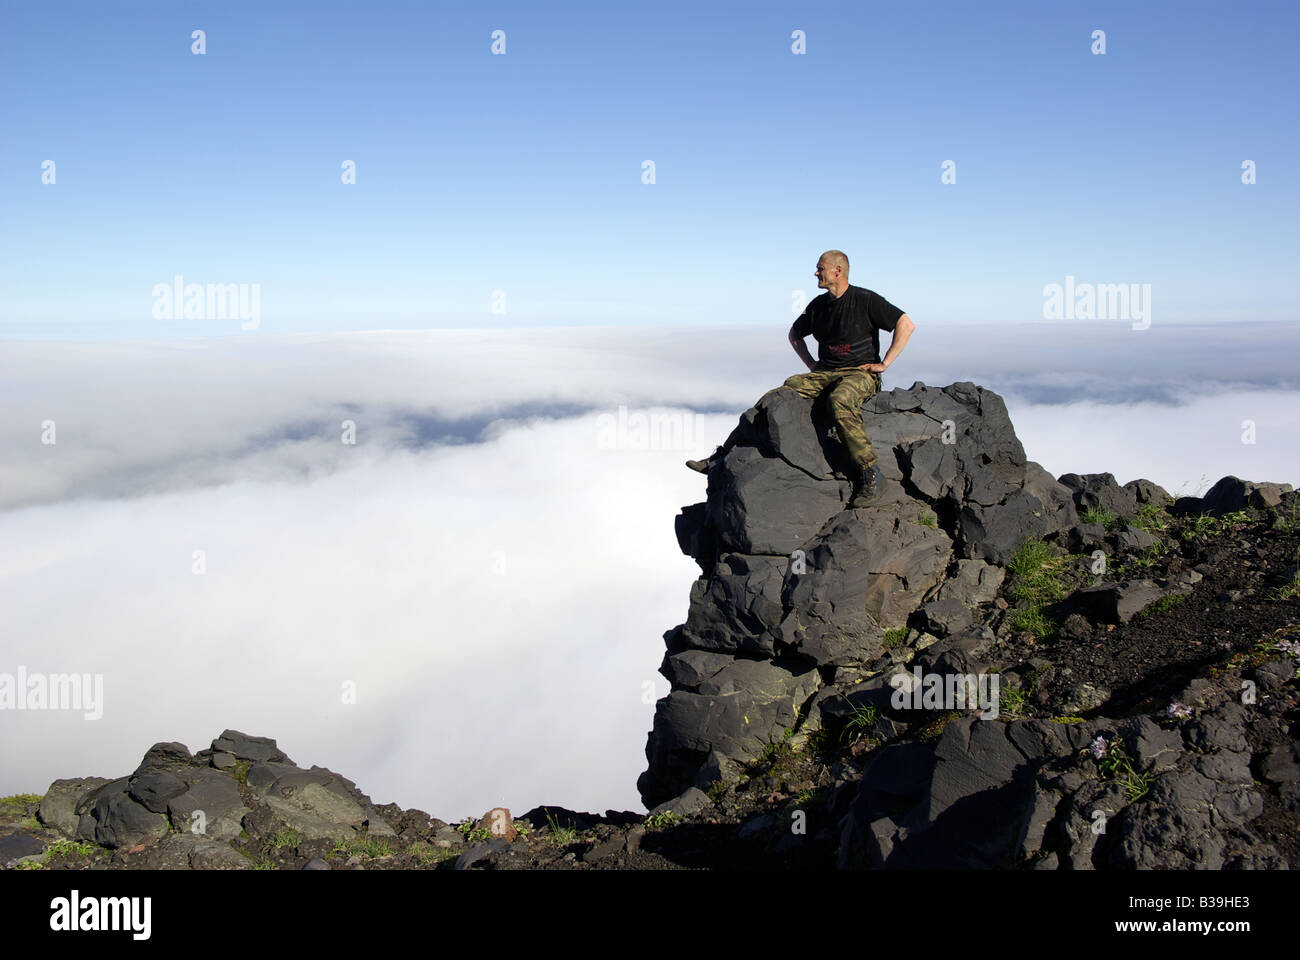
<point>1114,763</point>
<point>804,796</point>
<point>661,820</point>
<point>894,637</point>
<point>775,747</point>
<point>1203,526</point>
<point>472,832</point>
<point>1142,559</point>
<point>1165,603</point>
<point>860,721</point>
<point>364,846</point>
<point>560,836</point>
<point>1151,517</point>
<point>1067,719</point>
<point>286,838</point>
<point>427,853</point>
<point>1029,558</point>
<point>1099,515</point>
<point>1033,620</point>
<point>1178,711</point>
<point>240,770</point>
<point>1011,701</point>
<point>1289,589</point>
<point>29,865</point>
<point>1235,519</point>
<point>1036,570</point>
<point>62,848</point>
<point>927,519</point>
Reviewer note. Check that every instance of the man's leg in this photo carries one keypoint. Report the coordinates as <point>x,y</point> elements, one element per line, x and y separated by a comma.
<point>846,400</point>
<point>855,387</point>
<point>809,385</point>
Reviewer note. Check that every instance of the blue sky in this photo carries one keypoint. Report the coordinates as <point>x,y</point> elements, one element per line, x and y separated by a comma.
<point>522,172</point>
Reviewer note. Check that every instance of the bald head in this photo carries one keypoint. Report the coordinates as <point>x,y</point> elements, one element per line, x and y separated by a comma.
<point>836,258</point>
<point>833,272</point>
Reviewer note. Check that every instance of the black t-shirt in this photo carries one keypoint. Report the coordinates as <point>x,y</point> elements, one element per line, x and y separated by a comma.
<point>847,328</point>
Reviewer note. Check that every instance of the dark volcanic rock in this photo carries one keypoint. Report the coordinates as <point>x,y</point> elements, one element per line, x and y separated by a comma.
<point>1099,490</point>
<point>791,576</point>
<point>791,581</point>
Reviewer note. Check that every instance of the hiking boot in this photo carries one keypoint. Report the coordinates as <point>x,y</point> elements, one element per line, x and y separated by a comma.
<point>868,488</point>
<point>702,466</point>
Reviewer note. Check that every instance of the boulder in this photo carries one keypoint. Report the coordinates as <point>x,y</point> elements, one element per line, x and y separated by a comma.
<point>58,808</point>
<point>1099,490</point>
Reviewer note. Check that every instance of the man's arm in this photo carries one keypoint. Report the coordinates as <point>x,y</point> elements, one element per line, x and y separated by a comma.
<point>800,348</point>
<point>902,331</point>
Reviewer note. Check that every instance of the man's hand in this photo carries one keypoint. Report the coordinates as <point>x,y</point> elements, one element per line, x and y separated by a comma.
<point>873,367</point>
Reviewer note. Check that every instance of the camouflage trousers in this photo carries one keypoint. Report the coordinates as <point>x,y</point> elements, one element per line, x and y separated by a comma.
<point>845,390</point>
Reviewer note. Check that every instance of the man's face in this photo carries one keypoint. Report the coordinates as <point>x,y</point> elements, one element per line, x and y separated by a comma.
<point>825,274</point>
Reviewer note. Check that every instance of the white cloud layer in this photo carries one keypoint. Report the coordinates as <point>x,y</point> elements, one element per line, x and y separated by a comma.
<point>494,583</point>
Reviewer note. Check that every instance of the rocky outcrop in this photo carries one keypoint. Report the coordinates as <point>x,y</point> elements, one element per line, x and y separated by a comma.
<point>807,613</point>
<point>180,809</point>
<point>802,591</point>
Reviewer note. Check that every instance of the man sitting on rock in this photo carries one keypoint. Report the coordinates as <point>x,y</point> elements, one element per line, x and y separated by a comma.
<point>846,322</point>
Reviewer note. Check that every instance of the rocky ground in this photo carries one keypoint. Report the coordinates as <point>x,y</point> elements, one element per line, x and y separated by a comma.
<point>1146,650</point>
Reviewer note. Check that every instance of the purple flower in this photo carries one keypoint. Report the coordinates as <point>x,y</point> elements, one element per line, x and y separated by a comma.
<point>1098,747</point>
<point>1177,711</point>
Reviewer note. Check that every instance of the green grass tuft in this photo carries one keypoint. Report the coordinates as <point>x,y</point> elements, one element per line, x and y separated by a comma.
<point>364,846</point>
<point>1012,700</point>
<point>558,835</point>
<point>1099,515</point>
<point>1167,602</point>
<point>662,820</point>
<point>1118,765</point>
<point>860,722</point>
<point>63,847</point>
<point>1152,518</point>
